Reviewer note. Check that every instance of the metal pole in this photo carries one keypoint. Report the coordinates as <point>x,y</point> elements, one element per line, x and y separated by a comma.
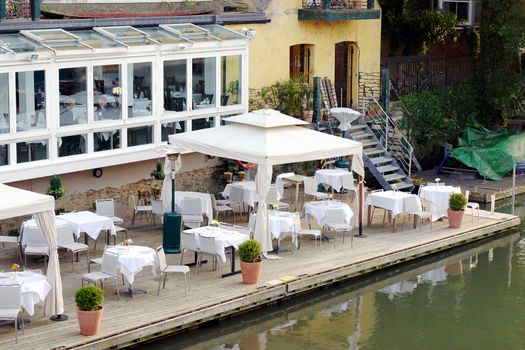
<point>513,187</point>
<point>386,132</point>
<point>360,235</point>
<point>410,164</point>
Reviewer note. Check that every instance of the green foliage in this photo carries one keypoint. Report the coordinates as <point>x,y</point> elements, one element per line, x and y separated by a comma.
<point>457,201</point>
<point>436,117</point>
<point>55,187</point>
<point>250,251</point>
<point>158,173</point>
<point>89,298</point>
<point>288,96</point>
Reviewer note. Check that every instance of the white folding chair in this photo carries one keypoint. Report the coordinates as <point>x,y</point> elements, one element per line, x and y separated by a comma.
<point>188,242</point>
<point>35,244</point>
<point>300,232</point>
<point>139,209</point>
<point>106,207</point>
<point>310,189</point>
<point>335,220</point>
<point>191,209</point>
<point>413,206</point>
<point>66,241</point>
<point>272,198</point>
<point>165,269</point>
<point>10,305</point>
<point>217,209</point>
<point>471,205</point>
<point>108,270</point>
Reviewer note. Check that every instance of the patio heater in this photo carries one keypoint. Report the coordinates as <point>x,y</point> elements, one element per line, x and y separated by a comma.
<point>172,225</point>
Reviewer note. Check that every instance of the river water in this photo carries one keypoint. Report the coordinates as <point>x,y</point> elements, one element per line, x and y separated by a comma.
<point>471,297</point>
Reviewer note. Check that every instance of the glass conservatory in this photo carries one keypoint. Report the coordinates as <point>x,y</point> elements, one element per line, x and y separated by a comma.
<point>77,100</point>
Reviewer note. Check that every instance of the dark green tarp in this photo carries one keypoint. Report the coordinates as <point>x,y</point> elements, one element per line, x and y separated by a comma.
<point>492,153</point>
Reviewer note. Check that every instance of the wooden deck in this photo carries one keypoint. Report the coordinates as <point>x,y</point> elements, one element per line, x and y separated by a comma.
<point>147,316</point>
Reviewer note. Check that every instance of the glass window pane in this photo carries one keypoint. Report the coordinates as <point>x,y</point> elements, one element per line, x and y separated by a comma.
<point>163,36</point>
<point>139,89</point>
<point>30,100</point>
<point>202,123</point>
<point>172,128</point>
<point>4,103</point>
<point>73,95</point>
<point>96,40</point>
<point>31,151</point>
<point>20,44</point>
<point>142,135</point>
<point>106,92</point>
<point>106,140</point>
<point>175,85</point>
<point>4,155</point>
<point>223,33</point>
<point>71,145</point>
<point>203,73</point>
<point>230,80</point>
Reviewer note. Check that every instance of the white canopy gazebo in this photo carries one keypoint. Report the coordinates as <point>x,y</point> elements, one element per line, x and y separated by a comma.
<point>16,202</point>
<point>267,138</point>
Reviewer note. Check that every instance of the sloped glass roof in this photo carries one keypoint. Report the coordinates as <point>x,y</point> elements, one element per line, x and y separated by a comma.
<point>103,38</point>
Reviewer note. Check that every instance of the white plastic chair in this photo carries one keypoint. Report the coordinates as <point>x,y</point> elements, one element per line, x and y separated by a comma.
<point>188,242</point>
<point>36,244</point>
<point>106,207</point>
<point>217,208</point>
<point>335,219</point>
<point>10,305</point>
<point>66,241</point>
<point>472,205</point>
<point>413,206</point>
<point>191,209</point>
<point>349,184</point>
<point>272,198</point>
<point>108,270</point>
<point>97,261</point>
<point>236,194</point>
<point>139,209</point>
<point>157,209</point>
<point>208,246</point>
<point>12,240</point>
<point>165,269</point>
<point>300,232</point>
<point>310,189</point>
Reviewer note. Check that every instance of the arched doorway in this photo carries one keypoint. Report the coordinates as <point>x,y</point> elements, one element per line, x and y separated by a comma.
<point>346,55</point>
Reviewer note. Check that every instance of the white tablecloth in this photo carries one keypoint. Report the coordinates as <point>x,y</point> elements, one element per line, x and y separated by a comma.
<point>331,178</point>
<point>345,116</point>
<point>282,222</point>
<point>438,197</point>
<point>389,200</point>
<point>279,183</point>
<point>133,258</point>
<point>34,287</point>
<point>248,195</point>
<point>88,222</point>
<point>223,238</point>
<point>31,225</point>
<point>318,210</point>
<point>207,207</point>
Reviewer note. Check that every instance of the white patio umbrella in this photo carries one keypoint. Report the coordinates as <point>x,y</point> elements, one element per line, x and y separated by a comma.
<point>267,138</point>
<point>16,202</point>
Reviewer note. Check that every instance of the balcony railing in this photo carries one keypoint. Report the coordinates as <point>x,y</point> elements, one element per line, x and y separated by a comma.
<point>338,4</point>
<point>338,10</point>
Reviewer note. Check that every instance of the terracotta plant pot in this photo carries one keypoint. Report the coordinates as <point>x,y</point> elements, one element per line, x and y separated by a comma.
<point>89,321</point>
<point>308,115</point>
<point>455,218</point>
<point>250,272</point>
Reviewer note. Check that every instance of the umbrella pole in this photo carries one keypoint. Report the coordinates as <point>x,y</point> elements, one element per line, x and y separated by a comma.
<point>360,234</point>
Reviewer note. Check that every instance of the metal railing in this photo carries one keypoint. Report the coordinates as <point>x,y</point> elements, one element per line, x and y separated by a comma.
<point>338,4</point>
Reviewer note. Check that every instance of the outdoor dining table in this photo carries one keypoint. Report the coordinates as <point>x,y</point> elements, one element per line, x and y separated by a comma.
<point>438,197</point>
<point>31,225</point>
<point>282,222</point>
<point>34,287</point>
<point>89,223</point>
<point>297,180</point>
<point>392,201</point>
<point>317,210</point>
<point>223,239</point>
<point>248,195</point>
<point>345,116</point>
<point>131,260</point>
<point>331,178</point>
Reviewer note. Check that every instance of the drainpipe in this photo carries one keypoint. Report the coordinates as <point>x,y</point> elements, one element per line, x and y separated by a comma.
<point>3,10</point>
<point>317,100</point>
<point>35,10</point>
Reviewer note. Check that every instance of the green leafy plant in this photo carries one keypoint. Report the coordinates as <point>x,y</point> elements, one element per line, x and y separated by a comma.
<point>158,173</point>
<point>89,298</point>
<point>286,96</point>
<point>250,251</point>
<point>55,187</point>
<point>457,201</point>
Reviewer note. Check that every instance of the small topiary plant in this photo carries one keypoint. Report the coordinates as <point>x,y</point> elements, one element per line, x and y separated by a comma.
<point>55,187</point>
<point>89,298</point>
<point>250,251</point>
<point>158,173</point>
<point>457,201</point>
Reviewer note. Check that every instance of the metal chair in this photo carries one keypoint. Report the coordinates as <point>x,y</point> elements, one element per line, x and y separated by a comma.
<point>217,209</point>
<point>272,198</point>
<point>236,194</point>
<point>310,189</point>
<point>12,240</point>
<point>10,305</point>
<point>471,205</point>
<point>66,241</point>
<point>106,207</point>
<point>334,219</point>
<point>413,206</point>
<point>373,210</point>
<point>36,244</point>
<point>139,209</point>
<point>165,269</point>
<point>207,246</point>
<point>349,184</point>
<point>157,208</point>
<point>188,242</point>
<point>191,209</point>
<point>300,232</point>
<point>108,270</point>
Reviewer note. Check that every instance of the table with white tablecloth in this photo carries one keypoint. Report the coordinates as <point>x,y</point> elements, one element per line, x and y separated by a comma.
<point>31,225</point>
<point>331,178</point>
<point>248,194</point>
<point>89,223</point>
<point>282,224</point>
<point>318,210</point>
<point>438,197</point>
<point>392,201</point>
<point>133,258</point>
<point>33,285</point>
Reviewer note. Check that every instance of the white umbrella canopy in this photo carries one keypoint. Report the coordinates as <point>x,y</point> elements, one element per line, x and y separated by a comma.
<point>267,138</point>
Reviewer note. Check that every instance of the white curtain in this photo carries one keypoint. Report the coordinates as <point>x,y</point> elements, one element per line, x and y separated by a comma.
<point>54,300</point>
<point>263,181</point>
<point>166,184</point>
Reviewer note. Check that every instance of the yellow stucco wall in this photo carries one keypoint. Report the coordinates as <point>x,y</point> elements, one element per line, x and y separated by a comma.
<point>269,50</point>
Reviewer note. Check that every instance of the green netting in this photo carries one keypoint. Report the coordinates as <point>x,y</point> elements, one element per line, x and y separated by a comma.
<point>492,153</point>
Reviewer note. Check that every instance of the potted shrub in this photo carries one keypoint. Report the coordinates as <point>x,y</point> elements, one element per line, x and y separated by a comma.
<point>251,263</point>
<point>456,209</point>
<point>158,172</point>
<point>55,187</point>
<point>89,310</point>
